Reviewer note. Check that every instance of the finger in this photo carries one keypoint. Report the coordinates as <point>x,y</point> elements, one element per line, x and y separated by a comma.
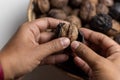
<point>46,23</point>
<point>54,59</point>
<point>53,46</point>
<point>83,65</point>
<point>88,55</point>
<point>45,37</point>
<point>100,39</point>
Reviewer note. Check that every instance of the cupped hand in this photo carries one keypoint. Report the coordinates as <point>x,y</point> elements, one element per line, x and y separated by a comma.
<point>32,45</point>
<point>99,57</point>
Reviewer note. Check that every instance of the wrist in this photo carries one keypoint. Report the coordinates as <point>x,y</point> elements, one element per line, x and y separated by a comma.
<point>6,66</point>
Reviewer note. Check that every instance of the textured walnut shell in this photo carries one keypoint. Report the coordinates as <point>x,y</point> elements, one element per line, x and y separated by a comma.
<point>74,19</point>
<point>87,10</point>
<point>101,8</point>
<point>43,5</point>
<point>69,30</point>
<point>57,13</point>
<point>115,28</point>
<point>107,2</point>
<point>58,3</point>
<point>101,23</point>
<point>73,32</point>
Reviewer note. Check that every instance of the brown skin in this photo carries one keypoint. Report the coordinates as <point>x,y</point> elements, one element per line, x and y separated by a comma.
<point>32,46</point>
<point>98,67</point>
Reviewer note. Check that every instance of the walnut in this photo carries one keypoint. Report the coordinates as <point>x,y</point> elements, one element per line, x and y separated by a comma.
<point>107,2</point>
<point>87,10</point>
<point>67,10</point>
<point>101,23</point>
<point>43,5</point>
<point>115,28</point>
<point>69,30</point>
<point>58,3</point>
<point>101,8</point>
<point>57,13</point>
<point>74,19</point>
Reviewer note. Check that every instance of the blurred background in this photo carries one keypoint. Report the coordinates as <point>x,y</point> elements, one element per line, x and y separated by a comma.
<point>14,13</point>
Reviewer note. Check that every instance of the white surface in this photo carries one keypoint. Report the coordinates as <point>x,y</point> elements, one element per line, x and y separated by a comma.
<point>12,15</point>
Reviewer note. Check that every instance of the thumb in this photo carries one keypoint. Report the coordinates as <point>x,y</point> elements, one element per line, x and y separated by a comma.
<point>51,47</point>
<point>86,54</point>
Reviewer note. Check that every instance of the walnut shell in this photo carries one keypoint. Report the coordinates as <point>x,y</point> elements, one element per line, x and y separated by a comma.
<point>73,32</point>
<point>74,19</point>
<point>107,2</point>
<point>57,13</point>
<point>115,28</point>
<point>87,10</point>
<point>68,30</point>
<point>101,8</point>
<point>58,3</point>
<point>67,10</point>
<point>43,5</point>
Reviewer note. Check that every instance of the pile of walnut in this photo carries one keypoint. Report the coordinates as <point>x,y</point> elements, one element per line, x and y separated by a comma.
<point>99,15</point>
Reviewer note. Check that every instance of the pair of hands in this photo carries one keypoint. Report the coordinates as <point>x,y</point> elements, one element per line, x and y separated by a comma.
<point>32,46</point>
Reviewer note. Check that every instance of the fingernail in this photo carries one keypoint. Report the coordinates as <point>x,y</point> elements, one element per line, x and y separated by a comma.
<point>65,42</point>
<point>75,45</point>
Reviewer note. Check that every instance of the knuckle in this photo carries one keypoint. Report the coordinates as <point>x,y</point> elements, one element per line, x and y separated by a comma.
<point>83,52</point>
<point>99,62</point>
<point>25,24</point>
<point>101,36</point>
<point>55,45</point>
<point>82,49</point>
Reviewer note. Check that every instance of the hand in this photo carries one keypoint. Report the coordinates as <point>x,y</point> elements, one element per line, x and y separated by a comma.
<point>32,46</point>
<point>105,67</point>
